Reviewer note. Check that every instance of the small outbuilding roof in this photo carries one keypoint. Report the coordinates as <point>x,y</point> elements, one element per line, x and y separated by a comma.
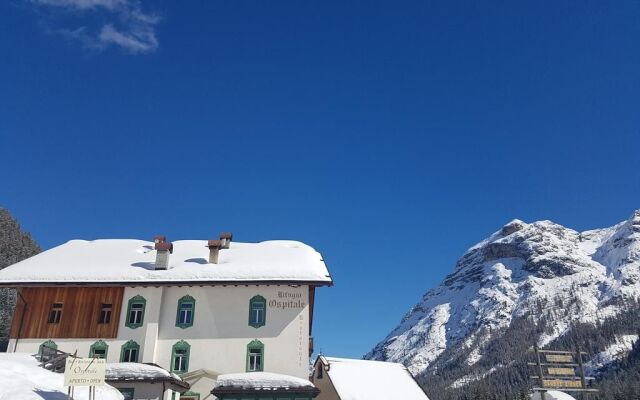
<point>130,261</point>
<point>370,380</point>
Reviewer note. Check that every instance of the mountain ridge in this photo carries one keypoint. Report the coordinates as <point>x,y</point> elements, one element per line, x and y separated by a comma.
<point>553,277</point>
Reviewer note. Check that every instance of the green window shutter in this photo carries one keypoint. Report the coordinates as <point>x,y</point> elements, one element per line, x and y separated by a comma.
<point>135,312</point>
<point>257,311</point>
<point>99,349</point>
<point>186,312</point>
<point>130,352</point>
<point>47,348</point>
<point>180,357</point>
<point>191,395</point>
<point>255,356</point>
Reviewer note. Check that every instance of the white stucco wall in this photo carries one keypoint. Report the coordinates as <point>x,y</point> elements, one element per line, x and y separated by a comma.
<point>144,390</point>
<point>219,335</point>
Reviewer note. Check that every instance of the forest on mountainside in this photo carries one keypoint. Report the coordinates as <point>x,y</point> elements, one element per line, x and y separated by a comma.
<point>507,358</point>
<point>15,245</point>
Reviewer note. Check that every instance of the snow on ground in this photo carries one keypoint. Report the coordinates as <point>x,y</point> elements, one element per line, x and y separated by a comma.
<point>465,380</point>
<point>22,379</point>
<point>614,352</point>
<point>552,395</point>
<point>129,260</point>
<point>261,380</point>
<point>372,380</point>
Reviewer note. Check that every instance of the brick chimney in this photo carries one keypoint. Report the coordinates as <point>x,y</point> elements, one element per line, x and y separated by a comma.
<point>214,249</point>
<point>163,249</point>
<point>225,239</point>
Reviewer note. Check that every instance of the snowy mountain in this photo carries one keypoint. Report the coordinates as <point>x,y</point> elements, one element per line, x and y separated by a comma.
<point>526,282</point>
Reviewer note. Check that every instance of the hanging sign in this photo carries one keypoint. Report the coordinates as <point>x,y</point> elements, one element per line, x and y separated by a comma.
<point>84,371</point>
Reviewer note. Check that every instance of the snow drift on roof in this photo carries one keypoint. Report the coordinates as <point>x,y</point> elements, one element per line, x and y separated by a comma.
<point>128,370</point>
<point>261,380</point>
<point>130,260</point>
<point>372,380</point>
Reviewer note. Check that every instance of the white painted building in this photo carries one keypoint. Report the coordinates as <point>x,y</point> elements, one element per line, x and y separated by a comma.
<point>197,308</point>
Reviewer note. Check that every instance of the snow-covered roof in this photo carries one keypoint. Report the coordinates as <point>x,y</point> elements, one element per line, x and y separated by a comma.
<point>133,261</point>
<point>22,379</point>
<point>261,382</point>
<point>130,371</point>
<point>371,380</point>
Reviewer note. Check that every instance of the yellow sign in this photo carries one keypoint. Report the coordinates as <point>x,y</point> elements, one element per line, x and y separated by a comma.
<point>557,358</point>
<point>562,371</point>
<point>561,383</point>
<point>84,371</point>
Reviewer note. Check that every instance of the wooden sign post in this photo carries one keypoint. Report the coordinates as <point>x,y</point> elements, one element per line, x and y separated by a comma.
<point>560,370</point>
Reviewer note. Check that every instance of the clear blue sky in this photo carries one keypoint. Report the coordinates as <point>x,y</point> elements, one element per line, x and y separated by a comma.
<point>389,135</point>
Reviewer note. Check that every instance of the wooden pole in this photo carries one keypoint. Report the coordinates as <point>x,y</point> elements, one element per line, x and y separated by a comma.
<point>542,392</point>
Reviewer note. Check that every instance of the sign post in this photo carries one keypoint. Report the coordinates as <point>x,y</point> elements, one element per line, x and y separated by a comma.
<point>84,372</point>
<point>560,370</point>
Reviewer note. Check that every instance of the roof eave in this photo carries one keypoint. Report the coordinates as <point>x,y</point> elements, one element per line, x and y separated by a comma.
<point>164,283</point>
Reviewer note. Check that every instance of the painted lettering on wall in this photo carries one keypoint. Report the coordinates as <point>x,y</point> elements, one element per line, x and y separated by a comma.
<point>287,300</point>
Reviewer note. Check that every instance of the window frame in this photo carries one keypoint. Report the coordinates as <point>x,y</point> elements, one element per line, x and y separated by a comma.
<point>105,314</point>
<point>186,300</point>
<point>55,311</point>
<point>190,394</point>
<point>257,299</point>
<point>255,345</point>
<point>181,345</point>
<point>99,345</point>
<point>50,344</point>
<point>129,390</point>
<point>137,299</point>
<point>130,345</point>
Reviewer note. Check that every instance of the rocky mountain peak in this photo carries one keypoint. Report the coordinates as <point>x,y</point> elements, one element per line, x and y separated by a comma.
<point>567,276</point>
<point>511,227</point>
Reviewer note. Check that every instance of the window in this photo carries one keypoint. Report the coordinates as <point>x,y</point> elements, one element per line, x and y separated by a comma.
<point>105,313</point>
<point>55,313</point>
<point>127,393</point>
<point>257,311</point>
<point>135,312</point>
<point>190,396</point>
<point>186,311</point>
<point>98,349</point>
<point>255,356</point>
<point>47,349</point>
<point>130,351</point>
<point>180,357</point>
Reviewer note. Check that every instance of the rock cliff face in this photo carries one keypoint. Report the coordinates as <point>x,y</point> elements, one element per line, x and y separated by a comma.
<point>542,274</point>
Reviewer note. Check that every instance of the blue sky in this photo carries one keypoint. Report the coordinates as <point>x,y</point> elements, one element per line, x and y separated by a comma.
<point>391,136</point>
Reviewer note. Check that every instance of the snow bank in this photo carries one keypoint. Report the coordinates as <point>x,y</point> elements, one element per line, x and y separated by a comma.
<point>372,380</point>
<point>261,380</point>
<point>22,379</point>
<point>552,395</point>
<point>129,260</point>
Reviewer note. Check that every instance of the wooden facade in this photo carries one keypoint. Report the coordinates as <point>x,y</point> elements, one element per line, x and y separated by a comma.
<point>79,317</point>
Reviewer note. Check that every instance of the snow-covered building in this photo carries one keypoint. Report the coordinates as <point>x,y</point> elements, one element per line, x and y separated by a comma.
<point>348,379</point>
<point>197,308</point>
